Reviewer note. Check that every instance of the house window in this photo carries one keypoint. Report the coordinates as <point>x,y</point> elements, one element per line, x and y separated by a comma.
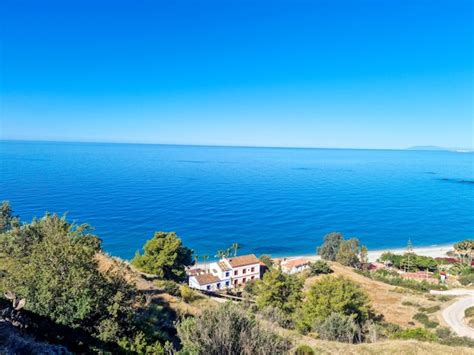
<point>227,283</point>
<point>252,277</point>
<point>235,282</point>
<point>227,274</point>
<point>252,269</point>
<point>208,287</point>
<point>218,285</point>
<point>244,280</point>
<point>236,272</point>
<point>244,271</point>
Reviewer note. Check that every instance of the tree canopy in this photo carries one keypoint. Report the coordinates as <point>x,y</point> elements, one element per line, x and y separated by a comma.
<point>328,250</point>
<point>164,255</point>
<point>279,290</point>
<point>333,295</point>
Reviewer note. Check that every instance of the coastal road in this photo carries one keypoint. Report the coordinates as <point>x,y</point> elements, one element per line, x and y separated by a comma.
<point>454,314</point>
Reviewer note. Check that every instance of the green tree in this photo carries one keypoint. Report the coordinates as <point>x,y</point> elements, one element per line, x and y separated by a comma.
<point>267,260</point>
<point>228,329</point>
<point>348,252</point>
<point>333,295</point>
<point>165,256</point>
<point>279,290</point>
<point>6,217</point>
<point>52,264</point>
<point>465,250</point>
<point>328,250</point>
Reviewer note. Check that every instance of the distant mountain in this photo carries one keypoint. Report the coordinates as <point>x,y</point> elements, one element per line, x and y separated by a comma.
<point>434,147</point>
<point>427,147</point>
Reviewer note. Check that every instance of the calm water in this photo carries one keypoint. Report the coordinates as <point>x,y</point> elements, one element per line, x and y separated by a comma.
<point>276,201</point>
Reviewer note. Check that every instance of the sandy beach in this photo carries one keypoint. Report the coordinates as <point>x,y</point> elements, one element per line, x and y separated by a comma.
<point>373,255</point>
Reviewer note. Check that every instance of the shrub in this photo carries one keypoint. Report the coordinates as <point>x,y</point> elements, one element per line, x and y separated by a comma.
<point>276,315</point>
<point>337,327</point>
<point>408,303</point>
<point>458,341</point>
<point>466,280</point>
<point>469,312</point>
<point>443,332</point>
<point>423,319</point>
<point>168,286</point>
<point>415,333</point>
<point>304,350</point>
<point>187,294</point>
<point>228,329</point>
<point>320,267</point>
<point>431,309</point>
<point>333,295</point>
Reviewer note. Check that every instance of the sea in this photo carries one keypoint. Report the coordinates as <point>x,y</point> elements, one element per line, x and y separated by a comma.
<point>276,201</point>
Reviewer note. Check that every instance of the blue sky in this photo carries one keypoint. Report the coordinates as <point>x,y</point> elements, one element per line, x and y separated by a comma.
<point>363,74</point>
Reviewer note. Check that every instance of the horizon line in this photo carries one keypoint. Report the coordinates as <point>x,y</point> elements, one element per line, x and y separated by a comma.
<point>411,148</point>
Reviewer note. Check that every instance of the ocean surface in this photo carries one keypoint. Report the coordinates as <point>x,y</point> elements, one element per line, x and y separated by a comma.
<point>269,200</point>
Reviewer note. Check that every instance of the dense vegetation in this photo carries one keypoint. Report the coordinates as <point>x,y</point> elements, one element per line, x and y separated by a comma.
<point>346,252</point>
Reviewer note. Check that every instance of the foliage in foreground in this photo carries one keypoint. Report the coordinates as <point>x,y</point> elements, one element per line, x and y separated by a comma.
<point>228,329</point>
<point>165,256</point>
<point>52,265</point>
<point>337,327</point>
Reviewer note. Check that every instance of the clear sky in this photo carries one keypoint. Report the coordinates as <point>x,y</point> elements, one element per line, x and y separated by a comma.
<point>333,73</point>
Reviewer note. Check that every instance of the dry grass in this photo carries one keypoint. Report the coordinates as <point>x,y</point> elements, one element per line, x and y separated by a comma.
<point>155,294</point>
<point>386,299</point>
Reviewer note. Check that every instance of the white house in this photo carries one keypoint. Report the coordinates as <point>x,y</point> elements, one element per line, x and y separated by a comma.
<point>225,273</point>
<point>294,266</point>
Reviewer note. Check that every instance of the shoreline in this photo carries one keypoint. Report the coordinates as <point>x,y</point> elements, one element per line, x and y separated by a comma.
<point>435,251</point>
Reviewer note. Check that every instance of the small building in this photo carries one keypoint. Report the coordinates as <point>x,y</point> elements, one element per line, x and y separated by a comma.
<point>294,266</point>
<point>206,282</point>
<point>225,273</point>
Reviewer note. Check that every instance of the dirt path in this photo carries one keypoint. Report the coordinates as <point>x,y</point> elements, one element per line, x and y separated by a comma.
<point>454,314</point>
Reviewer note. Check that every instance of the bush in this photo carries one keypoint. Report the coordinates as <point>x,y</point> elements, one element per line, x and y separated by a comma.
<point>443,332</point>
<point>168,286</point>
<point>424,319</point>
<point>469,312</point>
<point>276,315</point>
<point>415,333</point>
<point>187,294</point>
<point>431,309</point>
<point>466,280</point>
<point>319,267</point>
<point>337,327</point>
<point>458,341</point>
<point>304,350</point>
<point>228,329</point>
<point>328,250</point>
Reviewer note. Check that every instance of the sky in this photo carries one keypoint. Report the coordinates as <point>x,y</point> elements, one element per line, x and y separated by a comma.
<point>332,73</point>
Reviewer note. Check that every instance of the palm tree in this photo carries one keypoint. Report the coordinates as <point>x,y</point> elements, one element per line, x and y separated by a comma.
<point>220,254</point>
<point>235,246</point>
<point>196,259</point>
<point>228,252</point>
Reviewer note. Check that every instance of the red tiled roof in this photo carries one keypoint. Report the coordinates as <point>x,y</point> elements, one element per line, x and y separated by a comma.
<point>205,279</point>
<point>223,266</point>
<point>295,263</point>
<point>243,260</point>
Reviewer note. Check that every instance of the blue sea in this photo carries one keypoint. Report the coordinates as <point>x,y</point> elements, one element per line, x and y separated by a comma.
<point>270,200</point>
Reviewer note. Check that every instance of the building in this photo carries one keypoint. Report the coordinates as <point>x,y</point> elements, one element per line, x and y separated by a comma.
<point>225,273</point>
<point>294,266</point>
